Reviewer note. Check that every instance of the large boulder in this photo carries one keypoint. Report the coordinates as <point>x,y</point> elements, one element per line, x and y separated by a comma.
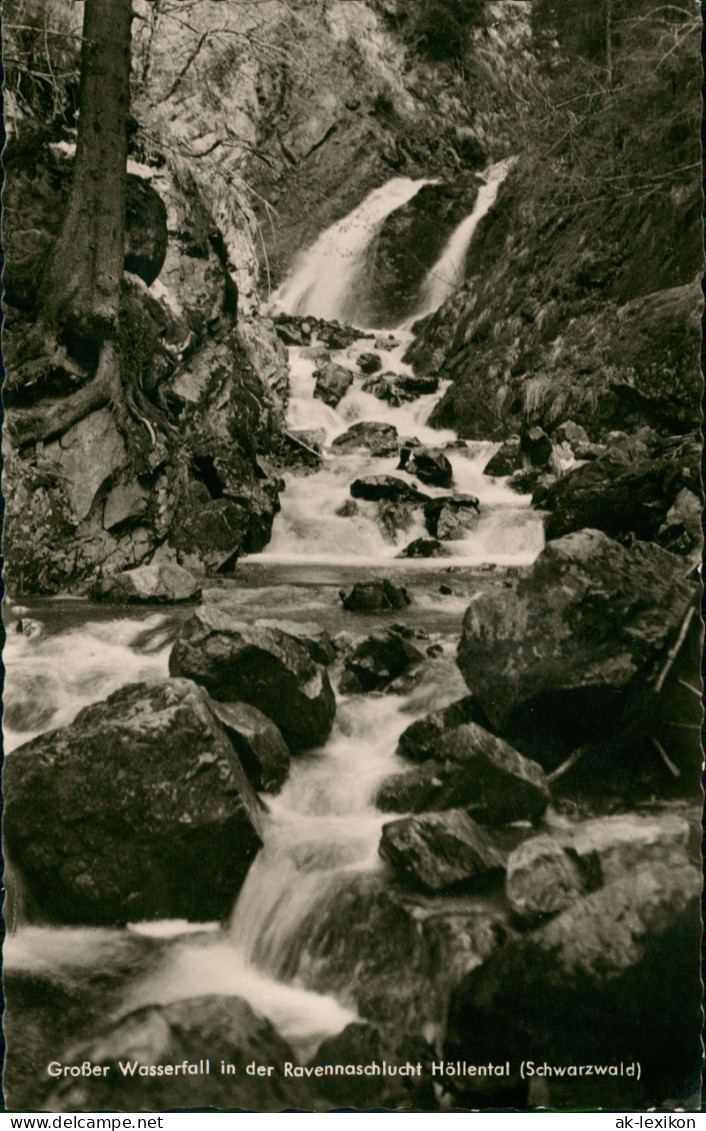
<point>542,878</point>
<point>199,1031</point>
<point>421,739</point>
<point>423,548</point>
<point>139,809</point>
<point>165,583</point>
<point>393,951</point>
<point>614,978</point>
<point>369,363</point>
<point>388,488</point>
<point>381,658</point>
<point>536,446</point>
<point>472,770</point>
<point>362,1043</point>
<point>264,667</point>
<point>374,597</point>
<point>258,743</point>
<point>428,464</point>
<point>556,661</point>
<point>380,439</point>
<point>440,850</point>
<point>624,493</point>
<point>332,383</point>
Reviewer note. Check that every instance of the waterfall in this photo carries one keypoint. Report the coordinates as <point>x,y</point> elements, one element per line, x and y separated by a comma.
<point>448,272</point>
<point>322,277</point>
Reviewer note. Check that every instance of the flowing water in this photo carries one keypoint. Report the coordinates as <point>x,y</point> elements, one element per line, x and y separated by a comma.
<point>324,826</point>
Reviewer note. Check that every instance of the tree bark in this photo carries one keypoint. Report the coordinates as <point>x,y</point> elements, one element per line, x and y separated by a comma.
<point>80,292</point>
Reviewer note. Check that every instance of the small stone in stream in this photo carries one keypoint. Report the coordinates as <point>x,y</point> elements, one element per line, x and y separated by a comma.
<point>349,684</point>
<point>379,438</point>
<point>381,658</point>
<point>265,667</point>
<point>348,509</point>
<point>445,590</point>
<point>257,742</point>
<point>525,481</point>
<point>382,386</point>
<point>369,363</point>
<point>374,597</point>
<point>387,487</point>
<point>428,464</point>
<point>536,445</point>
<point>435,650</point>
<point>440,850</point>
<point>451,516</point>
<point>291,331</point>
<point>138,809</point>
<point>332,383</point>
<point>542,878</point>
<point>388,343</point>
<point>422,548</point>
<point>506,460</point>
<point>165,583</point>
<point>421,739</point>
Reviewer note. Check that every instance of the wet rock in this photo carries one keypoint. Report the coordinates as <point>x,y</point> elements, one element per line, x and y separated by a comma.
<point>313,437</point>
<point>369,363</point>
<point>291,331</point>
<point>362,1043</point>
<point>381,658</point>
<point>258,743</point>
<point>316,353</point>
<point>610,847</point>
<point>536,446</point>
<point>264,667</point>
<point>388,343</point>
<point>445,590</point>
<point>506,460</point>
<point>622,493</point>
<point>315,639</point>
<point>421,739</point>
<point>395,952</point>
<point>212,531</point>
<point>440,850</point>
<point>379,439</point>
<point>395,518</point>
<point>214,1027</point>
<point>557,661</point>
<point>383,387</point>
<point>165,583</point>
<point>428,464</point>
<point>413,385</point>
<point>336,336</point>
<point>374,597</point>
<point>106,817</point>
<point>451,516</point>
<point>542,878</point>
<point>422,548</point>
<point>387,488</point>
<point>525,481</point>
<point>617,969</point>
<point>348,509</point>
<point>332,383</point>
<point>472,770</point>
<point>681,531</point>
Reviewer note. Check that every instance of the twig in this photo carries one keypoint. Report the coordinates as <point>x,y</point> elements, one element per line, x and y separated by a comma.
<point>690,687</point>
<point>674,770</point>
<point>301,444</point>
<point>675,649</point>
<point>568,764</point>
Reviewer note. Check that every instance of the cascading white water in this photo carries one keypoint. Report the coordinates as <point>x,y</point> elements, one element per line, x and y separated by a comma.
<point>322,278</point>
<point>448,272</point>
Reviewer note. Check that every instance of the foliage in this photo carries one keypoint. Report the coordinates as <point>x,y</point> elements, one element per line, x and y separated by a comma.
<point>42,47</point>
<point>440,29</point>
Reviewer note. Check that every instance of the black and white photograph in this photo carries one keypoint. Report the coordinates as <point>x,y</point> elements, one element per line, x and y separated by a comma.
<point>352,545</point>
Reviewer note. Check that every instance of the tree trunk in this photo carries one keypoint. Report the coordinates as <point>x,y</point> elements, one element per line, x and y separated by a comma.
<point>80,292</point>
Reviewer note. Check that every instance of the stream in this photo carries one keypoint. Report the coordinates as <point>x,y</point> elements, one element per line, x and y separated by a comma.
<point>323,828</point>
